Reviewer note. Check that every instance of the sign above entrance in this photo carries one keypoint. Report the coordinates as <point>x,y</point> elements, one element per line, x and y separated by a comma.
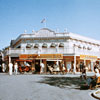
<point>41,56</point>
<point>88,57</point>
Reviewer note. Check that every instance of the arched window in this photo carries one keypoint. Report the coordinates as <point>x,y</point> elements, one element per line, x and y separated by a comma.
<point>28,46</point>
<point>53,45</point>
<point>79,46</point>
<point>89,48</point>
<point>44,45</point>
<point>61,45</point>
<point>84,47</point>
<point>36,45</point>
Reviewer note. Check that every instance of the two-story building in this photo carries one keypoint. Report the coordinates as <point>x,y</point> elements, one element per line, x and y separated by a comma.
<point>50,47</point>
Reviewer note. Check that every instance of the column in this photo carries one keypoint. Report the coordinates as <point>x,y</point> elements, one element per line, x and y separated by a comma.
<point>74,70</point>
<point>99,63</point>
<point>45,64</point>
<point>84,62</point>
<point>33,66</point>
<point>9,59</point>
<point>92,64</point>
<point>65,63</point>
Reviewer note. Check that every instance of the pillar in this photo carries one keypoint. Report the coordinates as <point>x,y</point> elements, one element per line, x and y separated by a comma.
<point>33,66</point>
<point>99,63</point>
<point>45,64</point>
<point>84,62</point>
<point>74,69</point>
<point>9,59</point>
<point>92,64</point>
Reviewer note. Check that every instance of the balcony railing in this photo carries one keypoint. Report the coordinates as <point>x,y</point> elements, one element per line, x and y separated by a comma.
<point>51,51</point>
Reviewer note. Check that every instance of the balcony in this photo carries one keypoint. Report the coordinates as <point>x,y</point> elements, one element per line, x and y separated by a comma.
<point>65,51</point>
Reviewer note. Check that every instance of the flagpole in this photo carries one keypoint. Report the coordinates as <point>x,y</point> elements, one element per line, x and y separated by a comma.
<point>45,24</point>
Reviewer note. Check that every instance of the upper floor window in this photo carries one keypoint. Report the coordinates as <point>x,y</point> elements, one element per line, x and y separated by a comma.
<point>53,45</point>
<point>44,45</point>
<point>79,46</point>
<point>36,45</point>
<point>84,47</point>
<point>89,48</point>
<point>61,45</point>
<point>28,46</point>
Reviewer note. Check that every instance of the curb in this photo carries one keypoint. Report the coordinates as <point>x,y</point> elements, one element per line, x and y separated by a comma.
<point>96,94</point>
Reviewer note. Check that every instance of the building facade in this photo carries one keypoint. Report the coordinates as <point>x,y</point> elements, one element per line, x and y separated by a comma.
<point>49,47</point>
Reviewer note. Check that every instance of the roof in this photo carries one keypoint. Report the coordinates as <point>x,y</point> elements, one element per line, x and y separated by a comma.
<point>47,33</point>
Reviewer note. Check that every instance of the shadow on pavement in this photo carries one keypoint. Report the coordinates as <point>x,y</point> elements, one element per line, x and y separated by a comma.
<point>63,82</point>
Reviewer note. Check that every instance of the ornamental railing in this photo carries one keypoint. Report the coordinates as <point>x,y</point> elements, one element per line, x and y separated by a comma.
<point>59,50</point>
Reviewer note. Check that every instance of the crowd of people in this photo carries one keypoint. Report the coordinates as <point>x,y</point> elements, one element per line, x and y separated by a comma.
<point>11,68</point>
<point>56,67</point>
<point>17,67</point>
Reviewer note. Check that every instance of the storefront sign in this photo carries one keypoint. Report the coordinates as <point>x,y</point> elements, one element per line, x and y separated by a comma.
<point>88,57</point>
<point>28,56</point>
<point>41,56</point>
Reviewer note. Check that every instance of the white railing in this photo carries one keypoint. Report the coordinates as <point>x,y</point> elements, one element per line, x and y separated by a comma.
<point>52,51</point>
<point>87,52</point>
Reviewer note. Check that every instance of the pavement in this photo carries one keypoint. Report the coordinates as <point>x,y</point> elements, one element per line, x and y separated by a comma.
<point>43,87</point>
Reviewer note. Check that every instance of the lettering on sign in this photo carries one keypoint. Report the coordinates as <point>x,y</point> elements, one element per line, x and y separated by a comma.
<point>88,57</point>
<point>41,56</point>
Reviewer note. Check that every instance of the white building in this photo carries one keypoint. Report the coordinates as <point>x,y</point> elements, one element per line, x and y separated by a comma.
<point>50,46</point>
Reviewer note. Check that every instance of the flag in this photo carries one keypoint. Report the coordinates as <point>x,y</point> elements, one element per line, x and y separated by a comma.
<point>44,20</point>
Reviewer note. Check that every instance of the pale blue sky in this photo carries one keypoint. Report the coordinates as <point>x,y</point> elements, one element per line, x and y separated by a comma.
<point>78,16</point>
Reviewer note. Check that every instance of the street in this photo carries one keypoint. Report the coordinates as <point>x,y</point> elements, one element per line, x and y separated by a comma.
<point>41,87</point>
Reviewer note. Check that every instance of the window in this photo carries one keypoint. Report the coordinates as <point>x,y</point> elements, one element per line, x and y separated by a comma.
<point>36,45</point>
<point>61,45</point>
<point>44,45</point>
<point>53,45</point>
<point>28,46</point>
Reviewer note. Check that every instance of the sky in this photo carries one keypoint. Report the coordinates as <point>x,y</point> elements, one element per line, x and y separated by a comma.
<point>78,16</point>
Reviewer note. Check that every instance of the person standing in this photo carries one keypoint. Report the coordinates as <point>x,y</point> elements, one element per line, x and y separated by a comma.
<point>42,68</point>
<point>81,66</point>
<point>10,68</point>
<point>83,75</point>
<point>63,68</point>
<point>3,67</point>
<point>16,68</point>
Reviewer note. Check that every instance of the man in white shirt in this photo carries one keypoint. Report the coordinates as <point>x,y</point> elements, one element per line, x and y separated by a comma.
<point>15,68</point>
<point>3,67</point>
<point>41,68</point>
<point>10,68</point>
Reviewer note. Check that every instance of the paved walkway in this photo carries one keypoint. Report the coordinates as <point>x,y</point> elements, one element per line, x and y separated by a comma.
<point>37,87</point>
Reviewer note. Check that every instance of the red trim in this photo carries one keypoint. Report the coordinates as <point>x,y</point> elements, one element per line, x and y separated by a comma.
<point>23,60</point>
